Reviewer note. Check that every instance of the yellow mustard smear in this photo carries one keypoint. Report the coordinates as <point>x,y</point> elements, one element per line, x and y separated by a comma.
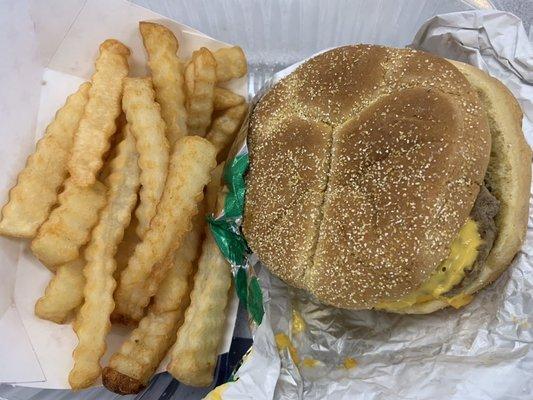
<point>463,254</point>
<point>298,323</point>
<point>349,363</point>
<point>216,393</point>
<point>310,362</point>
<point>460,300</point>
<point>284,342</point>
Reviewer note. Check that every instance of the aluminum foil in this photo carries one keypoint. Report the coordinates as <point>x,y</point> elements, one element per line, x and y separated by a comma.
<point>482,351</point>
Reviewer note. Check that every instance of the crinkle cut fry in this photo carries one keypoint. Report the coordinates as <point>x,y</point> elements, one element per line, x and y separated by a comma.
<point>225,98</point>
<point>93,322</point>
<point>97,125</point>
<point>69,225</point>
<point>167,75</point>
<point>191,163</point>
<point>128,369</point>
<point>132,366</point>
<point>200,79</point>
<point>64,292</point>
<point>35,192</point>
<point>231,63</point>
<point>194,354</point>
<point>183,263</point>
<point>225,127</point>
<point>213,187</point>
<point>126,248</point>
<point>148,128</point>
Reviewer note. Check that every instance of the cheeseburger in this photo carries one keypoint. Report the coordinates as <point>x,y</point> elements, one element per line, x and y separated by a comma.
<point>387,178</point>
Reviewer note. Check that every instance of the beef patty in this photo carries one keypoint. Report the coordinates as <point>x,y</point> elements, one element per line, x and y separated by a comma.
<point>484,212</point>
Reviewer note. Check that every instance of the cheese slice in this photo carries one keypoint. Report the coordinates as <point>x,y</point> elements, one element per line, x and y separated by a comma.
<point>463,254</point>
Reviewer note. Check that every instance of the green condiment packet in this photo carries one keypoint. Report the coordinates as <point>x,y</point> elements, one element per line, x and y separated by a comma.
<point>226,229</point>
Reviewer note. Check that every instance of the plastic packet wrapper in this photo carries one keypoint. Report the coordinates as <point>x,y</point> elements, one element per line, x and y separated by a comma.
<point>482,351</point>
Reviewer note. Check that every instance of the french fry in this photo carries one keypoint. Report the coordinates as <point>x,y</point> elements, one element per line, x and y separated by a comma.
<point>167,74</point>
<point>192,160</point>
<point>225,98</point>
<point>103,107</point>
<point>225,127</point>
<point>126,248</point>
<point>148,128</point>
<point>132,366</point>
<point>231,63</point>
<point>31,199</point>
<point>194,355</point>
<point>213,187</point>
<point>111,153</point>
<point>130,369</point>
<point>68,228</point>
<point>64,292</point>
<point>176,280</point>
<point>200,78</point>
<point>188,77</point>
<point>93,324</point>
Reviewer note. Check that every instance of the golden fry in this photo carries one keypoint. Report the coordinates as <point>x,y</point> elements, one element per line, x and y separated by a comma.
<point>69,226</point>
<point>194,354</point>
<point>31,199</point>
<point>191,163</point>
<point>225,127</point>
<point>132,366</point>
<point>103,107</point>
<point>130,369</point>
<point>93,324</point>
<point>148,128</point>
<point>108,157</point>
<point>225,99</point>
<point>188,77</point>
<point>200,77</point>
<point>231,63</point>
<point>167,74</point>
<point>168,296</point>
<point>126,248</point>
<point>64,292</point>
<point>212,189</point>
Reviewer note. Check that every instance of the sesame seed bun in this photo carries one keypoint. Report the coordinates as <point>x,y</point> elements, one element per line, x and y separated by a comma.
<point>364,164</point>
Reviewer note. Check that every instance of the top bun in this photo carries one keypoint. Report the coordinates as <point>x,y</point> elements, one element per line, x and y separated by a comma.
<point>364,164</point>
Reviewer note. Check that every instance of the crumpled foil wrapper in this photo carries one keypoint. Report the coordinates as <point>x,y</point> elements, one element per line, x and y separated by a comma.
<point>482,351</point>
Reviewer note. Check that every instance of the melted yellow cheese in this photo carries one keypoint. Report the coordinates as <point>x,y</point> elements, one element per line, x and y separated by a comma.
<point>309,362</point>
<point>460,300</point>
<point>284,342</point>
<point>216,393</point>
<point>298,323</point>
<point>349,363</point>
<point>463,254</point>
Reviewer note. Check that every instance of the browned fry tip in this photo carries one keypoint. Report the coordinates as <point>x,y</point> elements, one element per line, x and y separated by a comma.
<point>120,383</point>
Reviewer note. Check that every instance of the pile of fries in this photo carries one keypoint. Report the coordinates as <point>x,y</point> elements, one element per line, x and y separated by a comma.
<point>113,202</point>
